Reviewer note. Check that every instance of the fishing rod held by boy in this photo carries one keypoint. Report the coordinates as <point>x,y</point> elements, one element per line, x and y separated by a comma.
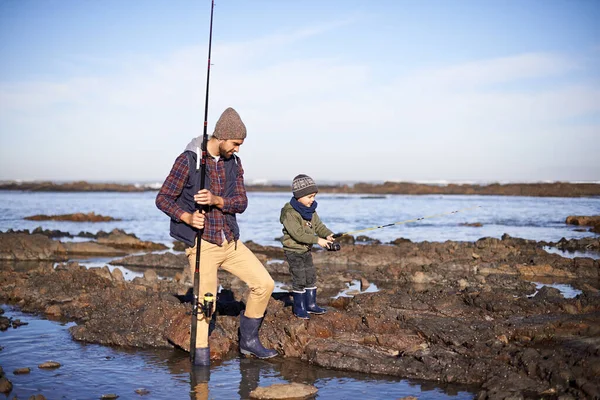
<point>338,235</point>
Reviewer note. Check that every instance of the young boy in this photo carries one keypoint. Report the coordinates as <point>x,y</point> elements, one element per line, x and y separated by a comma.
<point>302,228</point>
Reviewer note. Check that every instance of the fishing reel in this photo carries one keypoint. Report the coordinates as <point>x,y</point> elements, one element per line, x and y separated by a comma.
<point>333,246</point>
<point>208,305</point>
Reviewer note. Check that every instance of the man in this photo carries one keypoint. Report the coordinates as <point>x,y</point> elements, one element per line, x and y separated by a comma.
<point>225,196</point>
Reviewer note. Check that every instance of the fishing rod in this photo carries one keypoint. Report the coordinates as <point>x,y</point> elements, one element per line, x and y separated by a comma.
<point>337,235</point>
<point>201,165</point>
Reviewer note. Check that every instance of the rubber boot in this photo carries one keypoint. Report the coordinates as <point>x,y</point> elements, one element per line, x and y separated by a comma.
<point>202,356</point>
<point>311,302</point>
<point>299,307</point>
<point>249,340</point>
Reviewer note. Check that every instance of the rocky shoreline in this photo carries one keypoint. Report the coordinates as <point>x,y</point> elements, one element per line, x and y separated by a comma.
<point>455,312</point>
<point>553,189</point>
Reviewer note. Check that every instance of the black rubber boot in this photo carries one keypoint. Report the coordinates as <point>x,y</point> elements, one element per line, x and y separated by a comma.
<point>202,356</point>
<point>311,302</point>
<point>299,307</point>
<point>249,340</point>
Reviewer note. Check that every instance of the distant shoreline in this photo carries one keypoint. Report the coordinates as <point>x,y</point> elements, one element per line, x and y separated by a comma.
<point>554,189</point>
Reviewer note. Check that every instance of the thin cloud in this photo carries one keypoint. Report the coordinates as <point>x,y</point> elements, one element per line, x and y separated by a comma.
<point>439,123</point>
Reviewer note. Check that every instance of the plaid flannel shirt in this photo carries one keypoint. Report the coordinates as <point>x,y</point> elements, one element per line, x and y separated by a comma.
<point>215,227</point>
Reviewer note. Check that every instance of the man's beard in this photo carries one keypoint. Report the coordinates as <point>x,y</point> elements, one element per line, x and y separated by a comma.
<point>222,152</point>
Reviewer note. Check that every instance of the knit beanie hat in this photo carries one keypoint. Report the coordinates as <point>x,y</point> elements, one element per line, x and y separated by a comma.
<point>230,126</point>
<point>303,185</point>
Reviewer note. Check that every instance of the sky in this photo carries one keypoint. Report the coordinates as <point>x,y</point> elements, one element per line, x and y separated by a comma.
<point>399,90</point>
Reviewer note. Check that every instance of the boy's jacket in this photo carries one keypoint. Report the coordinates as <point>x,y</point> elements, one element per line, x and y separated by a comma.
<point>299,234</point>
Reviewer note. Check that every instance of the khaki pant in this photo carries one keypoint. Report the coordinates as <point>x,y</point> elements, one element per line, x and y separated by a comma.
<point>242,263</point>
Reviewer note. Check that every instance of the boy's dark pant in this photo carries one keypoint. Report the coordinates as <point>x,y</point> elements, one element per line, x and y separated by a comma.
<point>302,269</point>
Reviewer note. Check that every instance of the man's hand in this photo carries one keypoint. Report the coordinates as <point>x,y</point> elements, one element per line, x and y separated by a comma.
<point>196,219</point>
<point>324,243</point>
<point>206,198</point>
<point>330,238</point>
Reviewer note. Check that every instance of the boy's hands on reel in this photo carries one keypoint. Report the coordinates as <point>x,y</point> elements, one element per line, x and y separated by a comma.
<point>324,243</point>
<point>329,244</point>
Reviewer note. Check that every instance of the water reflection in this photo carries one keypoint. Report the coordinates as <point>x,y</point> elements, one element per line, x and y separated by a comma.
<point>199,378</point>
<point>355,287</point>
<point>219,382</point>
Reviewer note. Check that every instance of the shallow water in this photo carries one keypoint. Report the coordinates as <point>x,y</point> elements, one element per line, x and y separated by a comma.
<point>567,291</point>
<point>572,254</point>
<point>89,371</point>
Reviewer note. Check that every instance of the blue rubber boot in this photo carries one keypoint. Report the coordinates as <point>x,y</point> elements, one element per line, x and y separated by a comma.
<point>299,307</point>
<point>202,356</point>
<point>311,302</point>
<point>249,340</point>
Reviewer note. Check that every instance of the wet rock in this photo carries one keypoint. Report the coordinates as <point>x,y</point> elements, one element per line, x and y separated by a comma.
<point>37,397</point>
<point>284,391</point>
<point>19,246</point>
<point>109,396</point>
<point>420,277</point>
<point>54,233</point>
<point>548,293</point>
<point>179,246</point>
<point>472,224</point>
<point>269,251</point>
<point>142,391</point>
<point>364,284</point>
<point>367,239</point>
<point>17,323</point>
<point>117,275</point>
<point>150,276</point>
<point>49,365</point>
<point>121,240</point>
<point>278,268</point>
<point>340,302</point>
<point>102,271</point>
<point>77,217</point>
<point>53,310</point>
<point>583,244</point>
<point>5,385</point>
<point>400,241</point>
<point>22,371</point>
<point>4,323</point>
<point>91,249</point>
<point>543,270</point>
<point>583,220</point>
<point>164,260</point>
<point>68,266</point>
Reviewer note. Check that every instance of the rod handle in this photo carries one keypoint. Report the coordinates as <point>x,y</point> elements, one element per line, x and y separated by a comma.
<point>337,235</point>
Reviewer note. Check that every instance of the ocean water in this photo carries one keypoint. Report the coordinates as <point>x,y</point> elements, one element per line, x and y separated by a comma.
<point>526,217</point>
<point>89,371</point>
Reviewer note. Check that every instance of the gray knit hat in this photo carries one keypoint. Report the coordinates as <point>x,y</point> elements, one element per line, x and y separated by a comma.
<point>303,185</point>
<point>230,126</point>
